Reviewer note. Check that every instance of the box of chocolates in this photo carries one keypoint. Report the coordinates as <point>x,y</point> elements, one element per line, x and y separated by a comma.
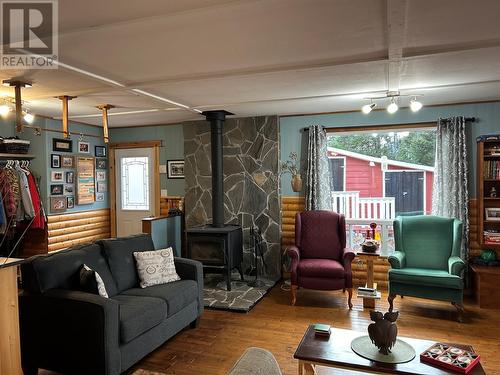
<point>451,357</point>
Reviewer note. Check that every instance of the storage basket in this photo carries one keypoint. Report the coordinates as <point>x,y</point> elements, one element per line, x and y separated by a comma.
<point>14,146</point>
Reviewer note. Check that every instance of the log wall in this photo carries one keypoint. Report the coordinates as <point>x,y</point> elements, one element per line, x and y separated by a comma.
<point>291,205</point>
<point>70,229</point>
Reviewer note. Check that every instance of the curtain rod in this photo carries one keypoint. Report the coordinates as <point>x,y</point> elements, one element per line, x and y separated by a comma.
<point>467,119</point>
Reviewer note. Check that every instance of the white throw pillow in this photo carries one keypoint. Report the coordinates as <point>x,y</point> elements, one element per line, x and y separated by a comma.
<point>156,267</point>
<point>101,288</point>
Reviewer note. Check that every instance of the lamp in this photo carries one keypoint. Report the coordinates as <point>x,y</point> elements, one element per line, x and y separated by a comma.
<point>393,107</point>
<point>367,108</point>
<point>415,105</point>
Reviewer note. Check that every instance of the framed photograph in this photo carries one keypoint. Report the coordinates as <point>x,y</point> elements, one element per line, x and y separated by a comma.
<point>100,151</point>
<point>102,187</point>
<point>70,177</point>
<point>55,161</point>
<point>69,189</point>
<point>101,176</point>
<point>175,168</point>
<point>67,161</point>
<point>70,202</point>
<point>56,176</point>
<point>492,214</point>
<point>101,163</point>
<point>99,197</point>
<point>56,189</point>
<point>62,145</point>
<point>83,147</point>
<point>58,204</point>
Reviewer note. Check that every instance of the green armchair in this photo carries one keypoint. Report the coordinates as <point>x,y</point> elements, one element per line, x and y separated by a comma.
<point>427,261</point>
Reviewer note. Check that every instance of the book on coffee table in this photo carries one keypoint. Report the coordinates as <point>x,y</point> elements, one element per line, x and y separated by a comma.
<point>322,329</point>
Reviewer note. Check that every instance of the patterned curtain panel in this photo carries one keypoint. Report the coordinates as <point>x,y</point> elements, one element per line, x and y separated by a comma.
<point>318,194</point>
<point>450,196</point>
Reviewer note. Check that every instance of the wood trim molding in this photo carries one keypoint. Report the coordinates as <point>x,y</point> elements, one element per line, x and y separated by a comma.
<point>414,125</point>
<point>135,144</point>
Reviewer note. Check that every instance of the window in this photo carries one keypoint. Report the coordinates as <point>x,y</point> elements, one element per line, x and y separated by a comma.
<point>135,183</point>
<point>376,169</point>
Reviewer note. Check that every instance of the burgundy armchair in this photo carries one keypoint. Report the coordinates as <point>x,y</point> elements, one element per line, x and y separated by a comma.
<point>320,259</point>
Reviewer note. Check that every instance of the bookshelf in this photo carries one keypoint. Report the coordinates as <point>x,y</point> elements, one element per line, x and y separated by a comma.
<point>488,182</point>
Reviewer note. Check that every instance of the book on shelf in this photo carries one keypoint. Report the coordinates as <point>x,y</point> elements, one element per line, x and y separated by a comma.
<point>491,170</point>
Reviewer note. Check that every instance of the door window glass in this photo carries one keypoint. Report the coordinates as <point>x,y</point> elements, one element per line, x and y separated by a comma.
<point>135,183</point>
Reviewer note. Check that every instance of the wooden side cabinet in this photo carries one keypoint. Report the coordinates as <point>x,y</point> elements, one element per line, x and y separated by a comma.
<point>486,282</point>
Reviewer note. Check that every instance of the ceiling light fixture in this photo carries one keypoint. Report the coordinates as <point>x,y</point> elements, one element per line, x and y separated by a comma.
<point>415,105</point>
<point>28,117</point>
<point>393,107</point>
<point>4,110</point>
<point>367,108</point>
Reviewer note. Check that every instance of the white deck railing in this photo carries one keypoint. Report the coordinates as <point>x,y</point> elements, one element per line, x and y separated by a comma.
<point>352,206</point>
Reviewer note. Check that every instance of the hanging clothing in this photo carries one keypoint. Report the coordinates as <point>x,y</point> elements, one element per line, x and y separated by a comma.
<point>39,218</point>
<point>28,210</point>
<point>9,200</point>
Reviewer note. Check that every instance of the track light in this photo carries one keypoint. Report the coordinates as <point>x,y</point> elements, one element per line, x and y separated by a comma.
<point>415,105</point>
<point>4,110</point>
<point>367,108</point>
<point>28,117</point>
<point>393,107</point>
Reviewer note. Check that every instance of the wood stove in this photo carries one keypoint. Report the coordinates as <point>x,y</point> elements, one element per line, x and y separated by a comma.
<point>219,247</point>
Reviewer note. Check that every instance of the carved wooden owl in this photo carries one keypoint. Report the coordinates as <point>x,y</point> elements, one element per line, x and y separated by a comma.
<point>384,331</point>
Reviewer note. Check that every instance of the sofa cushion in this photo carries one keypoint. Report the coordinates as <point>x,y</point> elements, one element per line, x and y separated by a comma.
<point>62,269</point>
<point>119,252</point>
<point>327,268</point>
<point>177,294</point>
<point>427,277</point>
<point>139,314</point>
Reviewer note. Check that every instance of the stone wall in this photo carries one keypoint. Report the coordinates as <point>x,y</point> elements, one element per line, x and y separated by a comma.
<point>251,181</point>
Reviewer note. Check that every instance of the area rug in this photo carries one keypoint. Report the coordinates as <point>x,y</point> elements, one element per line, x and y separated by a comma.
<point>146,372</point>
<point>241,298</point>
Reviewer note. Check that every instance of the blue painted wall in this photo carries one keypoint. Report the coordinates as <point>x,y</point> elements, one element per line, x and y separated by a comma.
<point>488,114</point>
<point>172,137</point>
<point>41,147</point>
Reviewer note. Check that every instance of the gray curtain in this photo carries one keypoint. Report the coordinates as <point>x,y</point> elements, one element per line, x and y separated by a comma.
<point>318,194</point>
<point>450,195</point>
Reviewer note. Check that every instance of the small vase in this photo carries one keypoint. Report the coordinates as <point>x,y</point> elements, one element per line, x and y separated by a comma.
<point>296,183</point>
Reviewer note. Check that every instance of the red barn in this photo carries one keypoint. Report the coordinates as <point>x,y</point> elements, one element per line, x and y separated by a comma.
<point>409,184</point>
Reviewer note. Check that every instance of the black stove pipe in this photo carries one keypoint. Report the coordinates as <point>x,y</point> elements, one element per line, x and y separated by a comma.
<point>217,119</point>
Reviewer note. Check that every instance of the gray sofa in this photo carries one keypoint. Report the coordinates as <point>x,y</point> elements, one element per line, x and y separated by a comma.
<point>66,330</point>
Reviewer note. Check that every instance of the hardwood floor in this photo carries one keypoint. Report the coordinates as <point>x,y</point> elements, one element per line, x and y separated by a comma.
<point>273,324</point>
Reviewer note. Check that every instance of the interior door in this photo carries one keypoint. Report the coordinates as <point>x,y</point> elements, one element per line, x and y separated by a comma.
<point>407,187</point>
<point>135,192</point>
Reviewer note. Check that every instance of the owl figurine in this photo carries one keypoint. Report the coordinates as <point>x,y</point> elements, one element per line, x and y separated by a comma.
<point>384,331</point>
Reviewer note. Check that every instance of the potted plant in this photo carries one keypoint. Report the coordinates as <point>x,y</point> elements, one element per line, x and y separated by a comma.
<point>291,166</point>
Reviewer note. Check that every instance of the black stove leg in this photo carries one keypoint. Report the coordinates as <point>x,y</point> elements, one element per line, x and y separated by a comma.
<point>240,270</point>
<point>228,279</point>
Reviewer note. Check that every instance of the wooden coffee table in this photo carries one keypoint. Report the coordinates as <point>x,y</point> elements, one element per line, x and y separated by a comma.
<point>335,351</point>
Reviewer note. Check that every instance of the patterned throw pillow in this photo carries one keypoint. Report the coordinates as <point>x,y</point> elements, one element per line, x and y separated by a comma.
<point>91,282</point>
<point>156,267</point>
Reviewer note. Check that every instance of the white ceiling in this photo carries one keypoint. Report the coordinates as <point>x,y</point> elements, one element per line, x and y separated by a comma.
<point>263,57</point>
